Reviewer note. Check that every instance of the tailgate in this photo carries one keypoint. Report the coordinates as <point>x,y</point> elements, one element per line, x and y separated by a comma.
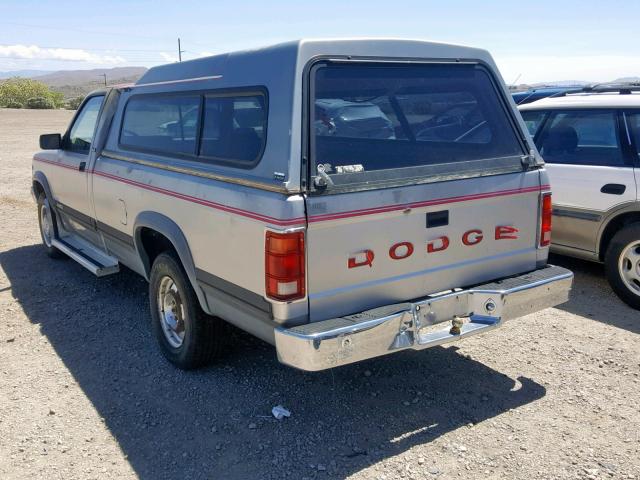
<point>379,247</point>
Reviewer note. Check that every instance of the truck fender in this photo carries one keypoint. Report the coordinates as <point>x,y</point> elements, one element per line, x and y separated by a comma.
<point>39,177</point>
<point>167,227</point>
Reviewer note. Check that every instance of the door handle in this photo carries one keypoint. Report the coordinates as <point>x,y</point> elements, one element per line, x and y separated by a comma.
<point>613,188</point>
<point>82,166</point>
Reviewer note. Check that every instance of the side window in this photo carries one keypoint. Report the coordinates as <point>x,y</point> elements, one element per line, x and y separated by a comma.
<point>81,133</point>
<point>582,137</point>
<point>633,125</point>
<point>533,119</point>
<point>234,128</point>
<point>161,123</point>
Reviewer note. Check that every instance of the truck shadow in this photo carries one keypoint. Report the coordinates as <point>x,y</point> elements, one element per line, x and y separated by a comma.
<point>216,422</point>
<point>593,298</point>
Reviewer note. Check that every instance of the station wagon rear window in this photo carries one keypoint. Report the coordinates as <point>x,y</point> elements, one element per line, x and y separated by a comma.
<point>376,122</point>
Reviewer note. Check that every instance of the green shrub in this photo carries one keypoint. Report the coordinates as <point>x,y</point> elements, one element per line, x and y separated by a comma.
<point>20,90</point>
<point>40,103</point>
<point>74,103</point>
<point>13,104</point>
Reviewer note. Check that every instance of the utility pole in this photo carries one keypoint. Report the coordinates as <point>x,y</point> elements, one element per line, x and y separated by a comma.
<point>180,51</point>
<point>105,78</point>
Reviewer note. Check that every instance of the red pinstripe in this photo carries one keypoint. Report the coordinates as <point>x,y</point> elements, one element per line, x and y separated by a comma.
<point>312,219</point>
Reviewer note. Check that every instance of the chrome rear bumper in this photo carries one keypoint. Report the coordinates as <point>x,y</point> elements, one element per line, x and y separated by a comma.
<point>425,323</point>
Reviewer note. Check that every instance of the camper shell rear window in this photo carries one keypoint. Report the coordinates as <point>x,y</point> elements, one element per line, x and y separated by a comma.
<point>374,122</point>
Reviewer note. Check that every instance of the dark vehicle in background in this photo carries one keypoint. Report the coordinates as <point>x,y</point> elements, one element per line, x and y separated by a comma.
<point>351,119</point>
<point>533,94</point>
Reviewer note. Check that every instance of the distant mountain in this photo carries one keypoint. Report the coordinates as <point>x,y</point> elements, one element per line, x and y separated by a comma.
<point>82,77</point>
<point>562,83</point>
<point>627,80</point>
<point>569,83</point>
<point>76,83</point>
<point>24,73</point>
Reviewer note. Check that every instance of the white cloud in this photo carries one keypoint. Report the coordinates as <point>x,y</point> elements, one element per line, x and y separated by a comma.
<point>63,54</point>
<point>167,57</point>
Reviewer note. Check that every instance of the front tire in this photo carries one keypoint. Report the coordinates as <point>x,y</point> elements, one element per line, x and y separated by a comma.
<point>188,337</point>
<point>48,229</point>
<point>622,264</point>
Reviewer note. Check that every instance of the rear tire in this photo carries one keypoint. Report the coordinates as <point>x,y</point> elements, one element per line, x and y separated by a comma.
<point>48,228</point>
<point>622,264</point>
<point>188,337</point>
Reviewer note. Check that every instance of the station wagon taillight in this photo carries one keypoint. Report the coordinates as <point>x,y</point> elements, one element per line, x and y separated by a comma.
<point>284,265</point>
<point>546,211</point>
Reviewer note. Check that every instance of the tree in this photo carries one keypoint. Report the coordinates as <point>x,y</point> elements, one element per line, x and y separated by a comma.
<point>20,90</point>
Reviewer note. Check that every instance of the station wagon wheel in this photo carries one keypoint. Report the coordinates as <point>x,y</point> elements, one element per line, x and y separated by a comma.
<point>47,224</point>
<point>629,266</point>
<point>188,337</point>
<point>622,264</point>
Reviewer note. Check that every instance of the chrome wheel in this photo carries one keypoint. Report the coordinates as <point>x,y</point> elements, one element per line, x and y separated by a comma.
<point>629,266</point>
<point>171,311</point>
<point>46,225</point>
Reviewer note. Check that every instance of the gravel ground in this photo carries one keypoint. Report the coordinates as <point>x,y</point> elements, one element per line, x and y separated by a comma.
<point>85,393</point>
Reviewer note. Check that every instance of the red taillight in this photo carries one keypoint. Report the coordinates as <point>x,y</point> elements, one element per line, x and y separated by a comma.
<point>545,221</point>
<point>284,265</point>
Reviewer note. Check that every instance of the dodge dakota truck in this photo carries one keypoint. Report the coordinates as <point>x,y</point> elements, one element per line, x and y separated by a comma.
<point>339,199</point>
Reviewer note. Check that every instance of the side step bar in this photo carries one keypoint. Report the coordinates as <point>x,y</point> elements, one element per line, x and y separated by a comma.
<point>97,263</point>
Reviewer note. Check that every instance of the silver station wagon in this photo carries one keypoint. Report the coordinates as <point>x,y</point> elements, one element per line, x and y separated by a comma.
<point>338,199</point>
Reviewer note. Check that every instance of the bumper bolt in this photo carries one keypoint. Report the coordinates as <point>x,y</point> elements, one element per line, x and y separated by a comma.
<point>490,306</point>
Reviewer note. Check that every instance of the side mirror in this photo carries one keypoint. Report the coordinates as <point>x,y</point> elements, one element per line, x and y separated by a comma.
<point>51,141</point>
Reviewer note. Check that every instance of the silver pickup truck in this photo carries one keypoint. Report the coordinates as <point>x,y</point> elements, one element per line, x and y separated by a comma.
<point>338,199</point>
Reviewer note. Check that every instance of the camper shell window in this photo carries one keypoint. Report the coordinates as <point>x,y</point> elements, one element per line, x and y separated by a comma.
<point>212,127</point>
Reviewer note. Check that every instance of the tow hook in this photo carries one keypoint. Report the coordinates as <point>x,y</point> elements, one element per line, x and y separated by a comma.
<point>456,324</point>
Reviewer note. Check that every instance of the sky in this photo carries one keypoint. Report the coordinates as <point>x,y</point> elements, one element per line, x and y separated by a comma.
<point>532,42</point>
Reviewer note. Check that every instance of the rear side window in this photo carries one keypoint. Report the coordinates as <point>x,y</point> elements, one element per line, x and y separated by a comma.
<point>368,118</point>
<point>582,137</point>
<point>533,119</point>
<point>234,128</point>
<point>161,123</point>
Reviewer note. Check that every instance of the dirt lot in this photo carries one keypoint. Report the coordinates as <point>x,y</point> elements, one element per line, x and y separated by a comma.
<point>84,392</point>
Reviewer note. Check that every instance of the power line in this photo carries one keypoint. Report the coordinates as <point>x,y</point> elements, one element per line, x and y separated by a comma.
<point>37,59</point>
<point>85,31</point>
<point>114,50</point>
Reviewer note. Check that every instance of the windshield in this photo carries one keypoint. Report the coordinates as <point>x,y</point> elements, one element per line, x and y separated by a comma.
<point>372,122</point>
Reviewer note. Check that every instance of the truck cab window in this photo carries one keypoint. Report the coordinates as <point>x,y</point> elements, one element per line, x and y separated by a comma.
<point>81,133</point>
